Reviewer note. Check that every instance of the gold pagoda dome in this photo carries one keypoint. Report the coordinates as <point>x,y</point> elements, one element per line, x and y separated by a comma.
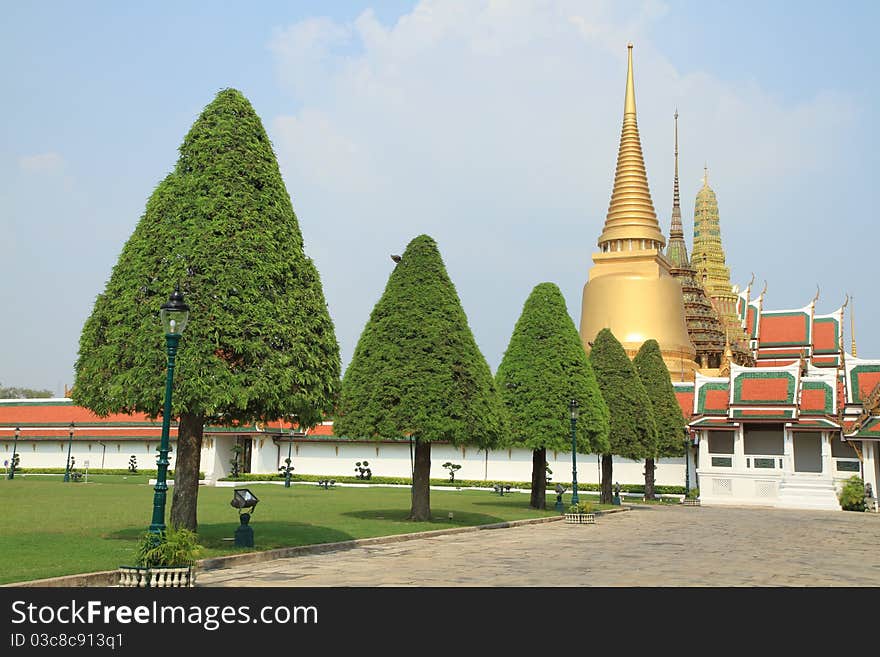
<point>630,289</point>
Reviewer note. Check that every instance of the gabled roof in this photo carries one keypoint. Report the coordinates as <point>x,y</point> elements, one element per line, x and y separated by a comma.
<point>786,328</point>
<point>768,386</point>
<point>819,395</point>
<point>711,395</point>
<point>684,394</point>
<point>862,377</point>
<point>870,430</point>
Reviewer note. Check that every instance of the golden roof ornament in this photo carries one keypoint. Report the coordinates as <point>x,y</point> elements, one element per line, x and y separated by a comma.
<point>631,223</point>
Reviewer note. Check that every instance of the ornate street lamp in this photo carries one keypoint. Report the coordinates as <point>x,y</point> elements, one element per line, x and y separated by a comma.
<point>11,474</point>
<point>174,314</point>
<point>69,441</point>
<point>573,409</point>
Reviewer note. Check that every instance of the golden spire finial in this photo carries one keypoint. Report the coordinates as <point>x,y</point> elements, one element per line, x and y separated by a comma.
<point>852,326</point>
<point>629,102</point>
<point>706,174</point>
<point>675,195</point>
<point>631,224</point>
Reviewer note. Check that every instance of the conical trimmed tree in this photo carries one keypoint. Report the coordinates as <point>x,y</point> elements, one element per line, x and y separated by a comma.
<point>633,431</point>
<point>667,413</point>
<point>260,343</point>
<point>543,369</point>
<point>417,370</point>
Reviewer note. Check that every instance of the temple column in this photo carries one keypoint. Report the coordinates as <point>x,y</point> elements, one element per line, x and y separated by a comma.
<point>827,460</point>
<point>869,465</point>
<point>788,453</point>
<point>703,449</point>
<point>739,449</point>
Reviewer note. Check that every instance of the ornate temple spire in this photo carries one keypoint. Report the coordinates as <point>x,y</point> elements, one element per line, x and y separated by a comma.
<point>676,251</point>
<point>707,257</point>
<point>631,223</point>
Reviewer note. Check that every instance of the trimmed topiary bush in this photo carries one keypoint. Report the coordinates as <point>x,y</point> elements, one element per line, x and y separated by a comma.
<point>852,496</point>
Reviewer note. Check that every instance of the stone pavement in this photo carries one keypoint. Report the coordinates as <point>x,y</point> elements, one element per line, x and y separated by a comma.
<point>647,546</point>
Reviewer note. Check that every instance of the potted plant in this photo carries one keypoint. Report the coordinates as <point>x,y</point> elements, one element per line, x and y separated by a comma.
<point>580,514</point>
<point>163,560</point>
<point>692,497</point>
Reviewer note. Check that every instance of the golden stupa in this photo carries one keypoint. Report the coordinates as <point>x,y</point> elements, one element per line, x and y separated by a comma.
<point>630,289</point>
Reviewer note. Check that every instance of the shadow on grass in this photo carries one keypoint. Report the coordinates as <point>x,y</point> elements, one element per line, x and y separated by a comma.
<point>439,515</point>
<point>216,538</point>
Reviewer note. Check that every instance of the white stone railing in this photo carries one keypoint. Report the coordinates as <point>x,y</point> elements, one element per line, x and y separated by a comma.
<point>130,576</point>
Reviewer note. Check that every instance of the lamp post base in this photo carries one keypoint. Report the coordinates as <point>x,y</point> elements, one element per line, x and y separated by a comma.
<point>244,535</point>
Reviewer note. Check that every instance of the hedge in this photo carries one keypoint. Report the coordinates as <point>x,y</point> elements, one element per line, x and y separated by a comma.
<point>107,471</point>
<point>462,483</point>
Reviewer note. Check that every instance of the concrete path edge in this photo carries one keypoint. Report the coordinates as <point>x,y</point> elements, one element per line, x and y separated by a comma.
<point>106,578</point>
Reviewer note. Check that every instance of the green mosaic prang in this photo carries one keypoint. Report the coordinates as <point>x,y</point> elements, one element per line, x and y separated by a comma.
<point>829,394</point>
<point>701,399</point>
<point>737,388</point>
<point>807,331</point>
<point>836,349</point>
<point>854,379</point>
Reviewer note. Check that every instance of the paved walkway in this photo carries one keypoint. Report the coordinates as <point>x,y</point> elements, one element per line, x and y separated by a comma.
<point>647,546</point>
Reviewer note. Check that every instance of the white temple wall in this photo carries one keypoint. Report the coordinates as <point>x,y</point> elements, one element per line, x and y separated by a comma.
<point>335,458</point>
<point>393,460</point>
<point>53,454</point>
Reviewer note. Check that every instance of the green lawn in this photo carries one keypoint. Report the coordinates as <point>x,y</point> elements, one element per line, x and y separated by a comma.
<point>53,528</point>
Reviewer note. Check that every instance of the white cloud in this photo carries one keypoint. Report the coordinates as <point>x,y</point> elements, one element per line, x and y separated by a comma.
<point>493,126</point>
<point>42,163</point>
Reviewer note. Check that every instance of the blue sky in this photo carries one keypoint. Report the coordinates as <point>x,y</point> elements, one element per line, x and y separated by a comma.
<point>492,127</point>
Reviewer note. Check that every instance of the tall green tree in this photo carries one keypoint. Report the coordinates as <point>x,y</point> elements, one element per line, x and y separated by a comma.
<point>633,430</point>
<point>668,417</point>
<point>417,370</point>
<point>260,343</point>
<point>543,369</point>
<point>24,393</point>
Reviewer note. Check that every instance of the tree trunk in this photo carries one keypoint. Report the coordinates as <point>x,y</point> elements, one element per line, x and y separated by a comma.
<point>606,479</point>
<point>649,479</point>
<point>421,484</point>
<point>539,478</point>
<point>186,471</point>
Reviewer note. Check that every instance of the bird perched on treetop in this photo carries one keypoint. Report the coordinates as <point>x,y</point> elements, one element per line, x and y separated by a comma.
<point>395,258</point>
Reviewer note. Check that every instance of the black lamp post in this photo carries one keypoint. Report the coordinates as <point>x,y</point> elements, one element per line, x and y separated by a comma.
<point>287,468</point>
<point>174,314</point>
<point>69,442</point>
<point>11,474</point>
<point>687,473</point>
<point>573,408</point>
<point>245,501</point>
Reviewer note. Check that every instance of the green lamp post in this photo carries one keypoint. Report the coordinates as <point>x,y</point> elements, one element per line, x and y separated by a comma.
<point>573,409</point>
<point>174,314</point>
<point>11,474</point>
<point>69,441</point>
